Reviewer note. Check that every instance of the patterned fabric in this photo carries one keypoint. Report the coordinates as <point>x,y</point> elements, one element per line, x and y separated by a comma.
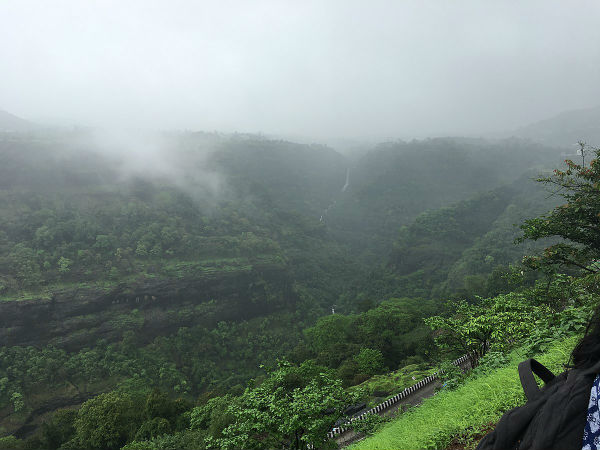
<point>591,432</point>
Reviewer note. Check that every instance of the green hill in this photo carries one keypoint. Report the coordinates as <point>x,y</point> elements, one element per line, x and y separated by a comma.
<point>187,269</point>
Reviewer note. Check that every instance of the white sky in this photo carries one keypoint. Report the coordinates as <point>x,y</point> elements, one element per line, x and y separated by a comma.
<point>325,68</point>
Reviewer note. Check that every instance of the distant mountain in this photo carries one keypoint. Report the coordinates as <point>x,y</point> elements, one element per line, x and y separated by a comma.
<point>566,128</point>
<point>397,181</point>
<point>10,122</point>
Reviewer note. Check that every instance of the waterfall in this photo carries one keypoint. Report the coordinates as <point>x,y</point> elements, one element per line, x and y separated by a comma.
<point>346,185</point>
<point>347,180</point>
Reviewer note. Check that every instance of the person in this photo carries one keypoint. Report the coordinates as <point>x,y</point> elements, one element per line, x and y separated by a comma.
<point>585,357</point>
<point>565,413</point>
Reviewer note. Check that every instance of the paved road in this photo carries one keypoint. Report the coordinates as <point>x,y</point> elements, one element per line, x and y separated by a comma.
<point>414,399</point>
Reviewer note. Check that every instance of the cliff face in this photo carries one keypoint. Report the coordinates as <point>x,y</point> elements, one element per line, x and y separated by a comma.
<point>75,318</point>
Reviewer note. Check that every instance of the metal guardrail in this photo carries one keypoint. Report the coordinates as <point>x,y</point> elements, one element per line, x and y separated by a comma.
<point>392,400</point>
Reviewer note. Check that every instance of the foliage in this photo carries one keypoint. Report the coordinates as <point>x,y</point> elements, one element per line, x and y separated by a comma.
<point>59,429</point>
<point>352,343</point>
<point>494,323</point>
<point>560,325</point>
<point>17,400</point>
<point>450,375</point>
<point>183,440</point>
<point>370,361</point>
<point>460,250</point>
<point>107,421</point>
<point>380,387</point>
<point>214,416</point>
<point>330,338</point>
<point>479,401</point>
<point>295,407</point>
<point>190,361</point>
<point>576,221</point>
<point>396,181</point>
<point>494,360</point>
<point>369,424</point>
<point>153,428</point>
<point>70,225</point>
<point>11,443</point>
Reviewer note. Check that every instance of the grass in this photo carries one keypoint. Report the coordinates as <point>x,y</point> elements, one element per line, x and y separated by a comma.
<point>466,410</point>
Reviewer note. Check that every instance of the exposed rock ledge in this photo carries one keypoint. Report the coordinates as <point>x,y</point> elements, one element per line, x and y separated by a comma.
<point>76,318</point>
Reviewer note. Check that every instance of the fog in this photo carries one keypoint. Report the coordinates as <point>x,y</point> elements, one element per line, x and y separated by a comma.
<point>148,155</point>
<point>320,70</point>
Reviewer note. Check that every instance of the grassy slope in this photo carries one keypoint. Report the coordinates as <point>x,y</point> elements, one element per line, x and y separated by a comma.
<point>475,404</point>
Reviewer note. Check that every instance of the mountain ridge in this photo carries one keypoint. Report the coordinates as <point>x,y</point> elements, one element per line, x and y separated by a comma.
<point>11,123</point>
<point>565,128</point>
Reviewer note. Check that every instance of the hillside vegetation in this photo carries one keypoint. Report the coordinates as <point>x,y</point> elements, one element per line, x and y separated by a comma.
<point>204,292</point>
<point>460,415</point>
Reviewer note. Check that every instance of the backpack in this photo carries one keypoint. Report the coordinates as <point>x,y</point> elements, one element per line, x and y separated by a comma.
<point>554,416</point>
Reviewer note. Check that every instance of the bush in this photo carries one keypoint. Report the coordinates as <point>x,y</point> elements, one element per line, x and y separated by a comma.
<point>450,375</point>
<point>491,361</point>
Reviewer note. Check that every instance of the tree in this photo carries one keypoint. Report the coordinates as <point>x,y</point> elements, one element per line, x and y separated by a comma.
<point>158,404</point>
<point>295,407</point>
<point>107,421</point>
<point>492,324</point>
<point>64,265</point>
<point>17,400</point>
<point>153,428</point>
<point>330,339</point>
<point>213,416</point>
<point>577,221</point>
<point>387,327</point>
<point>59,429</point>
<point>370,362</point>
<point>26,267</point>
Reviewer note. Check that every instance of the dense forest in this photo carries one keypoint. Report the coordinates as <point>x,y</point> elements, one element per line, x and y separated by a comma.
<point>232,291</point>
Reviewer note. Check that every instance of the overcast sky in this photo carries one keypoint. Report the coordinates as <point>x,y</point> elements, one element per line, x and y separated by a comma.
<point>325,68</point>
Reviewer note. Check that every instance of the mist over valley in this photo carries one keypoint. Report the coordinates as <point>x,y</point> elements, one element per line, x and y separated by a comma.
<point>237,225</point>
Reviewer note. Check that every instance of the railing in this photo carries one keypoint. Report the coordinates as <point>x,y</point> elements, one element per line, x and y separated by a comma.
<point>393,400</point>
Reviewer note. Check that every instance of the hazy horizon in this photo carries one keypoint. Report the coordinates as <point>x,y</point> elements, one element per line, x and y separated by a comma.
<point>306,70</point>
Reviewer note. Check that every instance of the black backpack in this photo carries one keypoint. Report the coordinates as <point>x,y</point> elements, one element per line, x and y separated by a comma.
<point>553,417</point>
